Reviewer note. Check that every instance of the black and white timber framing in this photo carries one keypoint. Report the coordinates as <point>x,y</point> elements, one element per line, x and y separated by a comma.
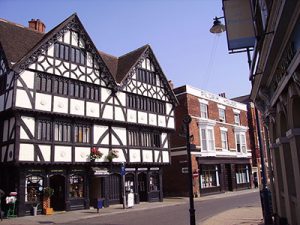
<point>61,98</point>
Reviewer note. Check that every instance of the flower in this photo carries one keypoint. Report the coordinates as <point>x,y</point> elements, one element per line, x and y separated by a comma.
<point>112,155</point>
<point>95,154</point>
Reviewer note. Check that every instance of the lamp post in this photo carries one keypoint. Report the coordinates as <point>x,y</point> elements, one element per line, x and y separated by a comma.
<point>123,179</point>
<point>218,28</point>
<point>187,120</point>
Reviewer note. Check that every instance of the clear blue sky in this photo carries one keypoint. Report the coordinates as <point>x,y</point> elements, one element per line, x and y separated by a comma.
<point>177,30</point>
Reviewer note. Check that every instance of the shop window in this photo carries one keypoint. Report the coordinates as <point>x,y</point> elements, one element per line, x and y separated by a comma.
<point>76,186</point>
<point>154,182</point>
<point>33,188</point>
<point>209,176</point>
<point>242,174</point>
<point>129,183</point>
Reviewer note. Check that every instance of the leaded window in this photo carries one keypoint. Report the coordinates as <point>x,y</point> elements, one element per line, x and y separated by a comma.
<point>69,53</point>
<point>142,103</point>
<point>44,130</point>
<point>82,133</point>
<point>144,138</point>
<point>43,83</point>
<point>62,132</point>
<point>146,76</point>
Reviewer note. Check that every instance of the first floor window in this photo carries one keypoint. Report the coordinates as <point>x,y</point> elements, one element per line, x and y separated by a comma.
<point>44,130</point>
<point>242,174</point>
<point>144,138</point>
<point>209,176</point>
<point>241,142</point>
<point>224,139</point>
<point>33,188</point>
<point>62,132</point>
<point>76,186</point>
<point>207,139</point>
<point>82,133</point>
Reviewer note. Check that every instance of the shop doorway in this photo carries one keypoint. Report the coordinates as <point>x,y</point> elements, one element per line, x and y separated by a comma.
<point>142,187</point>
<point>57,183</point>
<point>229,177</point>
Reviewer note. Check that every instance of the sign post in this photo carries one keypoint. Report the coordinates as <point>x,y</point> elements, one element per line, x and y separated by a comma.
<point>123,178</point>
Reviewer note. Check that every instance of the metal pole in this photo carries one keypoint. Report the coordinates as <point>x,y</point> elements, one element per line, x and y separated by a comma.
<point>187,120</point>
<point>124,191</point>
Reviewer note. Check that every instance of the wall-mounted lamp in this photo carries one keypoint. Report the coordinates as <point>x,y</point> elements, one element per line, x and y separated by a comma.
<point>217,27</point>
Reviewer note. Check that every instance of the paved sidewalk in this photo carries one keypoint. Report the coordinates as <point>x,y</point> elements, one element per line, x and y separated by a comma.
<point>239,216</point>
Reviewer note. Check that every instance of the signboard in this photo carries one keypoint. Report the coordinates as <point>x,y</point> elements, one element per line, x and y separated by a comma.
<point>130,200</point>
<point>239,24</point>
<point>185,170</point>
<point>98,171</point>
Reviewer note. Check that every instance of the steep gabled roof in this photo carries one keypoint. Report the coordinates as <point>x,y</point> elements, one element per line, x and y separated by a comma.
<point>111,62</point>
<point>17,40</point>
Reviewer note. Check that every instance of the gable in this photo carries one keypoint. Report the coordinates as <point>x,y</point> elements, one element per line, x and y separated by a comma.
<point>146,78</point>
<point>82,62</point>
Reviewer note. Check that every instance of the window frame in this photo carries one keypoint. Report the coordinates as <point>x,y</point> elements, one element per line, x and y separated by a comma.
<point>203,110</point>
<point>206,140</point>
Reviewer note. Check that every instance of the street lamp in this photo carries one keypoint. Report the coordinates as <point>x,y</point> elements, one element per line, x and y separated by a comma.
<point>187,120</point>
<point>218,28</point>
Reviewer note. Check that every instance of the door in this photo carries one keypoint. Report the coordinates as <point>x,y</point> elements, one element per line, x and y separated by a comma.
<point>142,187</point>
<point>57,183</point>
<point>229,176</point>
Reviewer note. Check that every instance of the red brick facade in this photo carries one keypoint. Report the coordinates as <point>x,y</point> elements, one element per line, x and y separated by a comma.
<point>219,160</point>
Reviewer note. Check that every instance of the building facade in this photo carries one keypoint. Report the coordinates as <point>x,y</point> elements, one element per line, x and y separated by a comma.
<point>276,93</point>
<point>221,156</point>
<point>63,104</point>
<point>274,74</point>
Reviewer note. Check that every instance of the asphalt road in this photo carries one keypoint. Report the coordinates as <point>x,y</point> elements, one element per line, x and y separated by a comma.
<point>177,214</point>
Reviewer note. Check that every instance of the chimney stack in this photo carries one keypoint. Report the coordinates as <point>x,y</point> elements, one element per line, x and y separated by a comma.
<point>37,25</point>
<point>222,95</point>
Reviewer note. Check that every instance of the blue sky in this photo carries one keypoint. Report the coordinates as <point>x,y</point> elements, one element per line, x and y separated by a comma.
<point>177,30</point>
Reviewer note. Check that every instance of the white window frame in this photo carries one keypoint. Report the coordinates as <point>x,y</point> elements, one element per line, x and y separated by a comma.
<point>240,139</point>
<point>224,140</point>
<point>222,116</point>
<point>208,143</point>
<point>237,119</point>
<point>204,112</point>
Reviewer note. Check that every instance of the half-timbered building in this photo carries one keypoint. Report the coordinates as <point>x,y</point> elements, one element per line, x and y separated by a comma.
<point>60,98</point>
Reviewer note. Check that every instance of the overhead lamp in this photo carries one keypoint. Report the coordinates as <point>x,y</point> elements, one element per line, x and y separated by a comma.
<point>217,27</point>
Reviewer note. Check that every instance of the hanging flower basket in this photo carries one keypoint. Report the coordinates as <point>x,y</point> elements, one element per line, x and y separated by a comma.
<point>95,154</point>
<point>112,155</point>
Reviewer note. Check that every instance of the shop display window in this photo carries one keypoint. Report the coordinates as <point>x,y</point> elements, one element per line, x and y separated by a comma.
<point>33,188</point>
<point>76,186</point>
<point>209,176</point>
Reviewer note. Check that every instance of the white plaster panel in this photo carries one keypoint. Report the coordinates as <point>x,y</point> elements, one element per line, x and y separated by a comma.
<point>10,152</point>
<point>98,132</point>
<point>26,152</point>
<point>122,98</point>
<point>30,123</point>
<point>50,51</point>
<point>105,152</point>
<point>22,99</point>
<point>144,64</point>
<point>163,138</point>
<point>63,154</point>
<point>105,93</point>
<point>77,107</point>
<point>142,117</point>
<point>60,104</point>
<point>82,154</point>
<point>43,102</point>
<point>171,123</point>
<point>67,37</point>
<point>1,103</point>
<point>156,156</point>
<point>166,156</point>
<point>134,155</point>
<point>121,157</point>
<point>89,61</point>
<point>119,115</point>
<point>5,130</point>
<point>46,152</point>
<point>152,119</point>
<point>74,39</point>
<point>161,121</point>
<point>92,109</point>
<point>32,66</point>
<point>134,75</point>
<point>121,133</point>
<point>9,99</point>
<point>28,78</point>
<point>147,156</point>
<point>108,112</point>
<point>131,116</point>
<point>81,43</point>
<point>168,108</point>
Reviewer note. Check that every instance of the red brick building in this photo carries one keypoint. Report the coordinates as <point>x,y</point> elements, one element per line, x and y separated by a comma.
<point>221,158</point>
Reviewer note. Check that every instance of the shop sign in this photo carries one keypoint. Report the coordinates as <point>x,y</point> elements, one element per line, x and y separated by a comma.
<point>100,171</point>
<point>154,168</point>
<point>57,171</point>
<point>185,170</point>
<point>142,169</point>
<point>129,169</point>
